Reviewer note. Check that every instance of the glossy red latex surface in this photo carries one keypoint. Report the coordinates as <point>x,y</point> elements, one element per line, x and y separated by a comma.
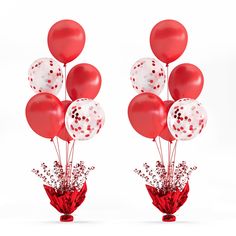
<point>83,81</point>
<point>186,81</point>
<point>44,113</point>
<point>147,114</point>
<point>168,40</point>
<point>66,39</point>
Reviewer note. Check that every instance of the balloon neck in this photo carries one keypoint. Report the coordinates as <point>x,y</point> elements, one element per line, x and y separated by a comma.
<point>154,140</point>
<point>167,64</point>
<point>64,65</point>
<point>51,139</point>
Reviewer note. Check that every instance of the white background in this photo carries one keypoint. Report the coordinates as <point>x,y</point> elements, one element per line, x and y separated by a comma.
<point>117,201</point>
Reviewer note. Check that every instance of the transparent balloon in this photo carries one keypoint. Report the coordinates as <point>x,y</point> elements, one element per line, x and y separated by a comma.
<point>45,75</point>
<point>147,75</point>
<point>84,118</point>
<point>186,119</point>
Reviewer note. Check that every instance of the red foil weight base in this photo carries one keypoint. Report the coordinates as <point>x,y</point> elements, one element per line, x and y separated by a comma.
<point>168,202</point>
<point>66,202</point>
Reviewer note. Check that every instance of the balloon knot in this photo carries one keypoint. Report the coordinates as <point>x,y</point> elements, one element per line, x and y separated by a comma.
<point>167,64</point>
<point>154,140</point>
<point>51,139</point>
<point>64,65</point>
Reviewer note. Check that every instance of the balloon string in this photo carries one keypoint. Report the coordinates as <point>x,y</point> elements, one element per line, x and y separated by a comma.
<point>162,162</point>
<point>167,80</point>
<point>71,155</point>
<point>58,148</point>
<point>169,143</point>
<point>161,149</point>
<point>66,169</point>
<point>173,155</point>
<point>67,144</point>
<point>71,152</point>
<point>169,164</point>
<point>65,79</point>
<point>59,157</point>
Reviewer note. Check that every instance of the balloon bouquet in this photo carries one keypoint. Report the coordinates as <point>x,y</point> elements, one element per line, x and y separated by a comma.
<point>182,118</point>
<point>77,118</point>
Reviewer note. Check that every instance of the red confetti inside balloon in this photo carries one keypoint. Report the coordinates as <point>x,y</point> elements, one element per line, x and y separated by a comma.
<point>45,75</point>
<point>186,119</point>
<point>147,75</point>
<point>84,119</point>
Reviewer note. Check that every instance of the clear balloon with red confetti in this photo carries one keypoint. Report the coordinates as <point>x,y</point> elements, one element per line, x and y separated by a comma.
<point>84,118</point>
<point>186,119</point>
<point>45,75</point>
<point>147,75</point>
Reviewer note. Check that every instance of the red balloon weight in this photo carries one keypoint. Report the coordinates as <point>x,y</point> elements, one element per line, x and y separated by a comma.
<point>186,81</point>
<point>168,40</point>
<point>63,133</point>
<point>165,133</point>
<point>66,39</point>
<point>83,81</point>
<point>44,113</point>
<point>147,114</point>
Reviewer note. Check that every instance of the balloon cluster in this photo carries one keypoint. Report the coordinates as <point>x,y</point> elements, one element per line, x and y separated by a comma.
<point>182,118</point>
<point>79,118</point>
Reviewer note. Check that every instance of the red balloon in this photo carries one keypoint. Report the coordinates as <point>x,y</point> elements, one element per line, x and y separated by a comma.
<point>83,81</point>
<point>63,133</point>
<point>185,81</point>
<point>168,40</point>
<point>165,133</point>
<point>66,39</point>
<point>147,114</point>
<point>44,113</point>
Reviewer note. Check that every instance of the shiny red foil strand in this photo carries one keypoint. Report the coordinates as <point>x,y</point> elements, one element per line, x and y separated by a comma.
<point>168,202</point>
<point>66,202</point>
